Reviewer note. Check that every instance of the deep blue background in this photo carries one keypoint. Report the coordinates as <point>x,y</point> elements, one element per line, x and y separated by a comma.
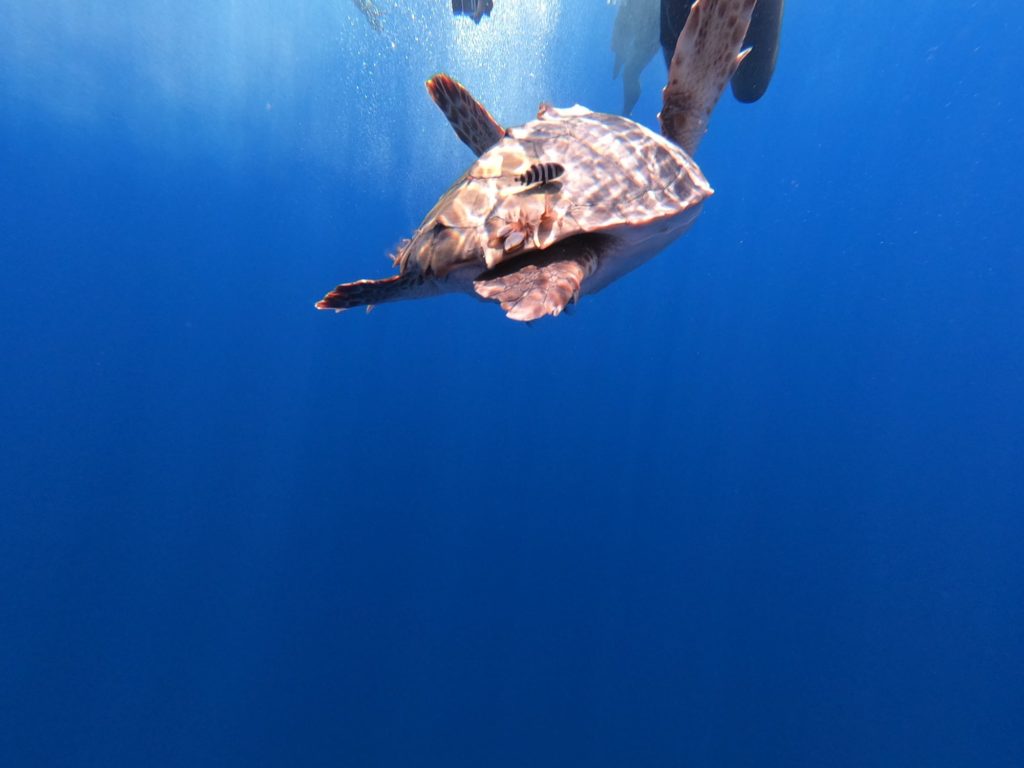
<point>759,504</point>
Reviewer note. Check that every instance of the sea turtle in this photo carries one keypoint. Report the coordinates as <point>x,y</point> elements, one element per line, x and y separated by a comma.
<point>567,203</point>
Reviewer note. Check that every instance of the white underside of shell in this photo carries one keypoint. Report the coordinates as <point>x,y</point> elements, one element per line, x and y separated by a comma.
<point>634,246</point>
<point>628,248</point>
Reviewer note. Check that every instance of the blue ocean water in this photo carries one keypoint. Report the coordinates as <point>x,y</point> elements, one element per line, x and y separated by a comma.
<point>760,503</point>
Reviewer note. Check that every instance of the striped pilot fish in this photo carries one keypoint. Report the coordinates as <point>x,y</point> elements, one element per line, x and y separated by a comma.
<point>541,173</point>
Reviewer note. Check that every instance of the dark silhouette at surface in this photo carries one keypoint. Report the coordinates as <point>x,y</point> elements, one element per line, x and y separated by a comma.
<point>475,9</point>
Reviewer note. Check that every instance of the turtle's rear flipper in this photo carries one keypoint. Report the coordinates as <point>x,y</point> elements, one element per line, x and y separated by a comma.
<point>470,119</point>
<point>534,291</point>
<point>369,292</point>
<point>538,283</point>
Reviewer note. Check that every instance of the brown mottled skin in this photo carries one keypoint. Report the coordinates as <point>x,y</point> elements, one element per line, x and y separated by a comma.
<point>707,54</point>
<point>472,122</point>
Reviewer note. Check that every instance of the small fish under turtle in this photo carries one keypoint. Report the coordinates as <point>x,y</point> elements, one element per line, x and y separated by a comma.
<point>564,205</point>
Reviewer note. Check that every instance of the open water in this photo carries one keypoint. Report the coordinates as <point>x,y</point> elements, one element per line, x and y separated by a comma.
<point>760,503</point>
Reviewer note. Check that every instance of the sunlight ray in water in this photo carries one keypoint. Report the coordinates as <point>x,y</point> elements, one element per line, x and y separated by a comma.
<point>511,65</point>
<point>506,69</point>
<point>756,502</point>
<point>323,81</point>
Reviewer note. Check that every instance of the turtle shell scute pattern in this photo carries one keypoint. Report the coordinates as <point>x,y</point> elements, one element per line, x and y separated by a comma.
<point>617,174</point>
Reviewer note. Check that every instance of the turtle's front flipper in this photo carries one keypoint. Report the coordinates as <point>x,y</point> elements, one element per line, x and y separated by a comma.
<point>471,121</point>
<point>753,75</point>
<point>706,56</point>
<point>369,292</point>
<point>539,283</point>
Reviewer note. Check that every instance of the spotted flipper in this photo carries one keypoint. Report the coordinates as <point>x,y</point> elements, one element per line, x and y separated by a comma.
<point>367,293</point>
<point>706,56</point>
<point>752,76</point>
<point>471,121</point>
